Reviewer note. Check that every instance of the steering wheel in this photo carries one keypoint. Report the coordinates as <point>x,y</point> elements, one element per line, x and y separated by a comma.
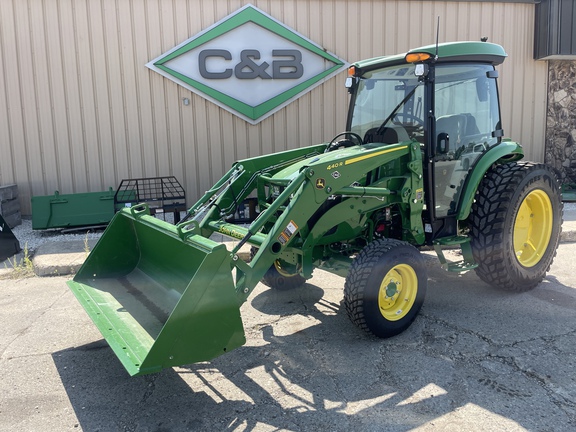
<point>407,117</point>
<point>336,144</point>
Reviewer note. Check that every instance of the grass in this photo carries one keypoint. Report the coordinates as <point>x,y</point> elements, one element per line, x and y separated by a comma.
<point>86,245</point>
<point>20,269</point>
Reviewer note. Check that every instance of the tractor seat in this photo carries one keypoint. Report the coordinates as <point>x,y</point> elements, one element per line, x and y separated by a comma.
<point>389,135</point>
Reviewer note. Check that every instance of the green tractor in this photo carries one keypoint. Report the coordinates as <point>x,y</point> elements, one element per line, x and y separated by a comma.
<point>423,163</point>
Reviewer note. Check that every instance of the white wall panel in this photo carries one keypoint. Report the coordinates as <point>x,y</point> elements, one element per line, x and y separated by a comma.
<point>79,111</point>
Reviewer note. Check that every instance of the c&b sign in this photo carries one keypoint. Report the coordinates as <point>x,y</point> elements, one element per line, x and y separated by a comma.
<point>249,64</point>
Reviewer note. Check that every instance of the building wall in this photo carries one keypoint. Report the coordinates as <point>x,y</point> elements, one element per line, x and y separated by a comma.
<point>561,119</point>
<point>79,111</point>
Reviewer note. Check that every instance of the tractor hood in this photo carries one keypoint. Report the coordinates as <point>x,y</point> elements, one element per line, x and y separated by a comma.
<point>326,160</point>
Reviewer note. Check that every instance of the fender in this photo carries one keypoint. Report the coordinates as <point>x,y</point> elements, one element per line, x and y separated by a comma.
<point>506,151</point>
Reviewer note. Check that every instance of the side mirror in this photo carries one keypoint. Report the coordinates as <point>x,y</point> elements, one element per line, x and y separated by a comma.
<point>442,143</point>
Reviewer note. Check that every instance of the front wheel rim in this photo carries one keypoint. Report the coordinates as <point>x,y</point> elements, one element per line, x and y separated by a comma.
<point>533,228</point>
<point>397,292</point>
<point>283,270</point>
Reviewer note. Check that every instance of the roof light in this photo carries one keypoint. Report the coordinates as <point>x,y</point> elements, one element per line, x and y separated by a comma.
<point>352,71</point>
<point>417,57</point>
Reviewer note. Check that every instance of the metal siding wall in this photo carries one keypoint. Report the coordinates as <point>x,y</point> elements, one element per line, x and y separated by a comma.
<point>79,111</point>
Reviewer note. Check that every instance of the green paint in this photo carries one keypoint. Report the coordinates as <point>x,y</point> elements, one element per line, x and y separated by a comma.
<point>249,14</point>
<point>509,150</point>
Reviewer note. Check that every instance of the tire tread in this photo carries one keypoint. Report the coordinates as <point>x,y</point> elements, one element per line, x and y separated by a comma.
<point>488,226</point>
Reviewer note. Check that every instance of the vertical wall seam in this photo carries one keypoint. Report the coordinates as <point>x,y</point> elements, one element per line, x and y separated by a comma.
<point>123,93</point>
<point>3,62</point>
<point>36,96</point>
<point>152,96</point>
<point>22,108</point>
<point>51,97</point>
<point>109,109</point>
<point>101,156</point>
<point>87,165</point>
<point>83,100</point>
<point>138,95</point>
<point>70,145</point>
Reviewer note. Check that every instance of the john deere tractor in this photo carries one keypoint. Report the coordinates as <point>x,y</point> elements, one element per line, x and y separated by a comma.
<point>423,162</point>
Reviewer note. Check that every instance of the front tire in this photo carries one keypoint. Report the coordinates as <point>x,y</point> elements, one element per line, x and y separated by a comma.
<point>515,225</point>
<point>280,276</point>
<point>385,287</point>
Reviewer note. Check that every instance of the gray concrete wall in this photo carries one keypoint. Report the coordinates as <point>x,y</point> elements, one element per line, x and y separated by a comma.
<point>561,119</point>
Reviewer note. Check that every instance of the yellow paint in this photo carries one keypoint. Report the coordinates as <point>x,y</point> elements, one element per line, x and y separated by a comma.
<point>396,304</point>
<point>533,228</point>
<point>371,155</point>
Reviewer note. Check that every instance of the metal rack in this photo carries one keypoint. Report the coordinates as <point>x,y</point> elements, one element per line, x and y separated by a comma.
<point>162,194</point>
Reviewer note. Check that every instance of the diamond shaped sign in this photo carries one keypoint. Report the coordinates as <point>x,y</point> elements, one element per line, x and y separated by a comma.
<point>249,64</point>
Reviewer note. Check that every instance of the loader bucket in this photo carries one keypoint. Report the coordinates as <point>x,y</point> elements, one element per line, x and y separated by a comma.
<point>9,245</point>
<point>159,297</point>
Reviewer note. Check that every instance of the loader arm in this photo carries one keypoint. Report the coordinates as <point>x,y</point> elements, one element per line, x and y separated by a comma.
<point>284,230</point>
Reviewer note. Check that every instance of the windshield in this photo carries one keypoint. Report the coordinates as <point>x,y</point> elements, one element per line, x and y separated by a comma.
<point>389,106</point>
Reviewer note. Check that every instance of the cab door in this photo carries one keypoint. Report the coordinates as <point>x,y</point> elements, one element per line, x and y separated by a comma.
<point>467,124</point>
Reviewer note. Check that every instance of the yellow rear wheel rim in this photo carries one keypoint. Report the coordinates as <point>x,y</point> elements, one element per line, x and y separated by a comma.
<point>533,228</point>
<point>397,292</point>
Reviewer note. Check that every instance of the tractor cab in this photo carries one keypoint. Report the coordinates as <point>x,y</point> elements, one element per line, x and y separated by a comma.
<point>446,101</point>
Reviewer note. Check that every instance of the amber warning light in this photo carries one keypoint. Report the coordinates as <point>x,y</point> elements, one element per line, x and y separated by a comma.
<point>417,57</point>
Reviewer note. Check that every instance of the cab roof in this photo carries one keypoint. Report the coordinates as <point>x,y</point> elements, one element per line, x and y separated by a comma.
<point>476,52</point>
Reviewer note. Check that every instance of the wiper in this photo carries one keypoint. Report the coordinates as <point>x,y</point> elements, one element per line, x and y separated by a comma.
<point>395,110</point>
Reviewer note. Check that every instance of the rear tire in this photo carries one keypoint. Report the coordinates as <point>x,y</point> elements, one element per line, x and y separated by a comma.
<point>385,287</point>
<point>515,225</point>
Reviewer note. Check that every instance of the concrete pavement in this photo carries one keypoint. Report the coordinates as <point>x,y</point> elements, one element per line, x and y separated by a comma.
<point>475,359</point>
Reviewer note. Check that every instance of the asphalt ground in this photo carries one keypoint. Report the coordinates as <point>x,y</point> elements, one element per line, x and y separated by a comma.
<point>476,358</point>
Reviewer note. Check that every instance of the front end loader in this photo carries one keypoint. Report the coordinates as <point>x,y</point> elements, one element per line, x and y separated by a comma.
<point>423,162</point>
<point>9,244</point>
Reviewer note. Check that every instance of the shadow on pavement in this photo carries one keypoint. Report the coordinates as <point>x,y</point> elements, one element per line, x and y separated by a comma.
<point>307,368</point>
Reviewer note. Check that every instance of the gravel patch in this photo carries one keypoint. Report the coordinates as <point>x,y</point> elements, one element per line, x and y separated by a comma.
<point>32,239</point>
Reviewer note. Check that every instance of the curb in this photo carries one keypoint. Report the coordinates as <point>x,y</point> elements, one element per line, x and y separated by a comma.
<point>66,258</point>
<point>568,237</point>
<point>61,258</point>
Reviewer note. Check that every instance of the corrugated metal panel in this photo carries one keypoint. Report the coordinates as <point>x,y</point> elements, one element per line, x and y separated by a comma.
<point>79,111</point>
<point>555,33</point>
